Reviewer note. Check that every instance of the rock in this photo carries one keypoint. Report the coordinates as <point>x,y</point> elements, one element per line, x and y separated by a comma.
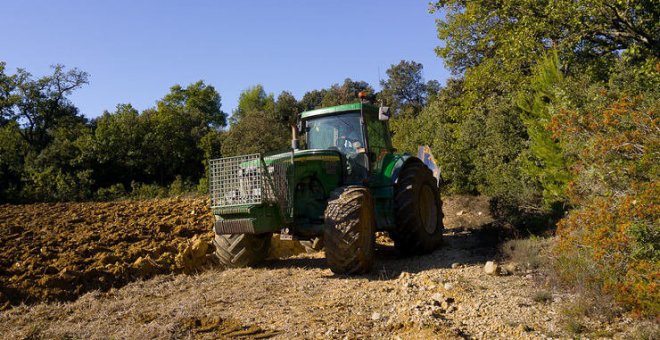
<point>460,213</point>
<point>491,268</point>
<point>455,265</point>
<point>438,298</point>
<point>375,316</point>
<point>448,286</point>
<point>404,275</point>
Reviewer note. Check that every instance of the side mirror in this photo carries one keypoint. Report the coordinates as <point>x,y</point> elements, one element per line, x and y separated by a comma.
<point>302,126</point>
<point>383,113</point>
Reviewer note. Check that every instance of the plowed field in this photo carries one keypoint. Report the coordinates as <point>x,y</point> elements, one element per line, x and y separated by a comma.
<point>59,251</point>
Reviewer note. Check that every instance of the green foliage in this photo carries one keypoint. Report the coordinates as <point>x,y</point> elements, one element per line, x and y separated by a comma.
<point>404,90</point>
<point>260,124</point>
<point>197,99</point>
<point>253,99</point>
<point>12,153</point>
<point>40,105</point>
<point>49,152</point>
<point>345,93</point>
<point>145,191</point>
<point>546,160</point>
<point>119,141</point>
<point>113,192</point>
<point>257,131</point>
<point>61,171</point>
<point>609,243</point>
<point>287,108</point>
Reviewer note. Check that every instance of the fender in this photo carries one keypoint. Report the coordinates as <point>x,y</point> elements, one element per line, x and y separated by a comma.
<point>424,156</point>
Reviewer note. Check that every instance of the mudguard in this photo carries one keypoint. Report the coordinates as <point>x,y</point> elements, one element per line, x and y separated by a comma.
<point>424,153</point>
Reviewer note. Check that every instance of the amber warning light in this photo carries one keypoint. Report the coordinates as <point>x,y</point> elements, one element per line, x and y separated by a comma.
<point>362,94</point>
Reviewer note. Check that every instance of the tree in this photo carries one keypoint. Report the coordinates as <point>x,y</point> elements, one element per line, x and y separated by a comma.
<point>8,95</point>
<point>345,93</point>
<point>493,47</point>
<point>546,162</point>
<point>41,105</point>
<point>405,90</point>
<point>514,31</point>
<point>256,132</point>
<point>62,170</point>
<point>196,99</point>
<point>312,99</point>
<point>12,161</point>
<point>286,108</point>
<point>253,99</point>
<point>119,142</point>
<point>174,130</point>
<point>259,124</point>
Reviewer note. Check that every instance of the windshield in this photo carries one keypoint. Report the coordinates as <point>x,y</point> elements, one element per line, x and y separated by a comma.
<point>341,132</point>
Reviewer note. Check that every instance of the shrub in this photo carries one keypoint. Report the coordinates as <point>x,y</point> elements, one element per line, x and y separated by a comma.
<point>142,190</point>
<point>113,192</point>
<point>530,252</point>
<point>611,242</point>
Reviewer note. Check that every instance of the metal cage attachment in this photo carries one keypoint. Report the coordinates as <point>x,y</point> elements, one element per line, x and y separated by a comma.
<point>245,180</point>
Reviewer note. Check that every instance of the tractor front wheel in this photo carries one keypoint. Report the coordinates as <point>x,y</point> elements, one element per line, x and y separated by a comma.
<point>241,250</point>
<point>418,211</point>
<point>350,230</point>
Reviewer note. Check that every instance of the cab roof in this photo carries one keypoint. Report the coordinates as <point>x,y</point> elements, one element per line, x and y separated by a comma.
<point>338,109</point>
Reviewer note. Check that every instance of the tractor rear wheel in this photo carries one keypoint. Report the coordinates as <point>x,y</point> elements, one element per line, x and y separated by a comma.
<point>418,211</point>
<point>241,250</point>
<point>350,230</point>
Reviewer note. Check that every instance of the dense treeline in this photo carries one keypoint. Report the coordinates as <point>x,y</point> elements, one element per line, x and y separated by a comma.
<point>51,152</point>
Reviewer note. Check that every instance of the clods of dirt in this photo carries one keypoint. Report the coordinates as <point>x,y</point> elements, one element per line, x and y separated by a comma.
<point>58,251</point>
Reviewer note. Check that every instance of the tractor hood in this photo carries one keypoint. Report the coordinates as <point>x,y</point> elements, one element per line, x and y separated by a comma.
<point>304,156</point>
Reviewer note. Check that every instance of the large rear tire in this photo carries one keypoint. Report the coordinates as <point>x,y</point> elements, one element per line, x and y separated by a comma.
<point>241,250</point>
<point>350,231</point>
<point>418,211</point>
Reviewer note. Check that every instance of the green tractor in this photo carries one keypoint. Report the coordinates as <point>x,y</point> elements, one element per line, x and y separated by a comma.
<point>343,187</point>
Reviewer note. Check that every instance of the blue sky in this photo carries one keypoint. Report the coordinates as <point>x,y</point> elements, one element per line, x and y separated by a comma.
<point>135,50</point>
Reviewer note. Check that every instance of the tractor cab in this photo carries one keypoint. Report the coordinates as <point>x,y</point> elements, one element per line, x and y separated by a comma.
<point>359,132</point>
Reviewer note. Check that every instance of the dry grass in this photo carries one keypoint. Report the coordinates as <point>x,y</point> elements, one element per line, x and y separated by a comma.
<point>542,296</point>
<point>530,252</point>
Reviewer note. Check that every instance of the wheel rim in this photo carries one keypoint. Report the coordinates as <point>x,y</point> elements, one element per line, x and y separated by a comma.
<point>428,210</point>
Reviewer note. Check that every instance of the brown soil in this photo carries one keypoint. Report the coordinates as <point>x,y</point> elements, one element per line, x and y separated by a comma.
<point>59,251</point>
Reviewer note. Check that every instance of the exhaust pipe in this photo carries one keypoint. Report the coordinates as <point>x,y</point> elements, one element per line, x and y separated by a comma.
<point>294,137</point>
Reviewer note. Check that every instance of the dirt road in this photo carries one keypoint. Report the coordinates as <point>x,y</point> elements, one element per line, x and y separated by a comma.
<point>445,294</point>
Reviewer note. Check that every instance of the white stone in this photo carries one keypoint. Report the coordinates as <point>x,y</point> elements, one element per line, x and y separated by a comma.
<point>491,268</point>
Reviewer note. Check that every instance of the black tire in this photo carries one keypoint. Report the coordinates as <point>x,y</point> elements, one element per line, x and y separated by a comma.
<point>350,231</point>
<point>241,250</point>
<point>418,211</point>
<point>312,246</point>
